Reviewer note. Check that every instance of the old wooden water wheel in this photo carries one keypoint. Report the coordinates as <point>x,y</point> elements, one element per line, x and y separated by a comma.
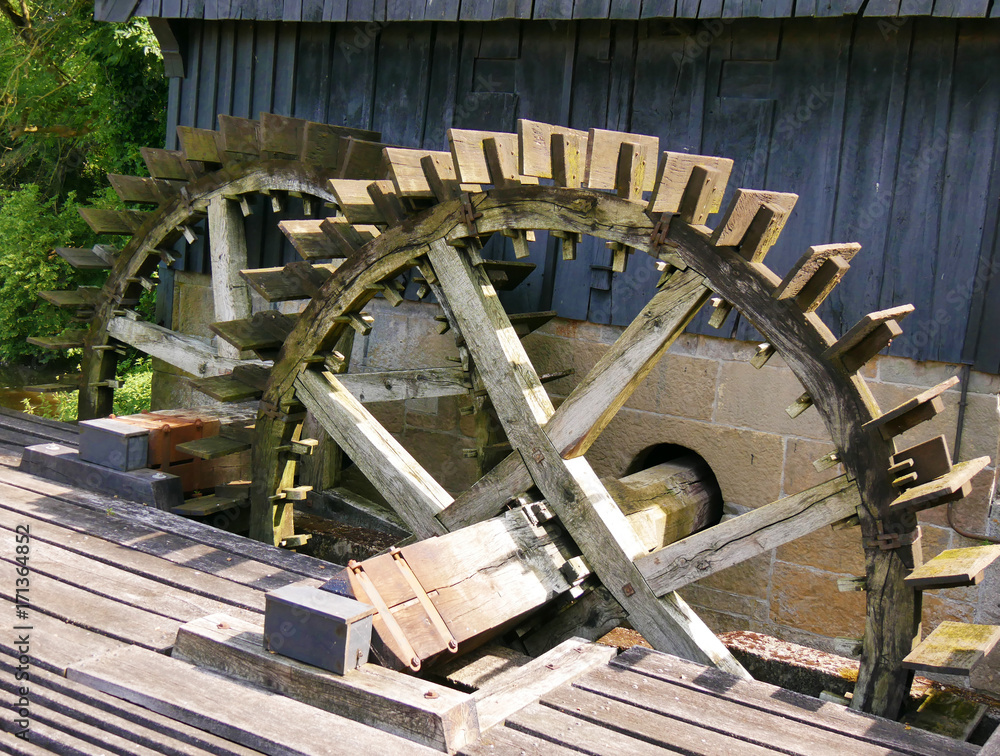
<point>401,209</point>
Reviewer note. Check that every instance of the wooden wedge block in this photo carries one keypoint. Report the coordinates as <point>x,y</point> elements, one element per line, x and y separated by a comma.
<point>631,172</point>
<point>201,145</point>
<point>502,162</point>
<point>603,150</point>
<point>383,194</point>
<point>355,202</point>
<point>404,169</point>
<point>673,176</point>
<point>68,339</point>
<point>507,275</point>
<point>167,164</point>
<point>720,311</point>
<point>308,239</point>
<point>868,337</point>
<point>279,285</point>
<point>240,136</point>
<point>226,388</point>
<point>124,222</point>
<point>526,322</point>
<point>213,447</point>
<point>799,406</point>
<point>761,355</point>
<point>816,273</point>
<point>150,191</point>
<point>753,222</point>
<point>954,568</point>
<point>954,648</point>
<point>322,144</point>
<point>951,487</point>
<point>469,154</point>
<point>926,461</point>
<point>86,259</point>
<point>441,176</point>
<point>360,159</point>
<point>569,160</point>
<point>281,136</point>
<point>346,239</point>
<point>912,412</point>
<point>203,506</point>
<point>535,142</point>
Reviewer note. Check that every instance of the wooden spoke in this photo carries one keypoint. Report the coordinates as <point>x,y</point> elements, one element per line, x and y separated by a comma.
<point>589,408</point>
<point>570,487</point>
<point>188,353</point>
<point>229,256</point>
<point>748,535</point>
<point>410,489</point>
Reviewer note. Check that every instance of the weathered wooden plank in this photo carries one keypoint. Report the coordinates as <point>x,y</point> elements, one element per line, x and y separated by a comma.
<point>753,221</point>
<point>953,648</point>
<point>816,273</point>
<point>308,239</point>
<point>355,202</point>
<point>595,400</point>
<point>947,713</point>
<point>535,142</point>
<point>200,145</point>
<point>122,585</point>
<point>469,154</point>
<point>156,522</point>
<point>141,189</point>
<point>563,664</point>
<point>166,164</point>
<point>606,539</point>
<point>603,148</point>
<point>68,339</point>
<point>868,337</point>
<point>121,718</point>
<point>123,222</point>
<point>751,728</point>
<point>912,412</point>
<point>97,258</point>
<point>954,567</point>
<point>278,285</point>
<point>411,491</point>
<point>360,159</point>
<point>752,533</point>
<point>64,643</point>
<point>947,488</point>
<point>226,388</point>
<point>787,704</point>
<point>374,696</point>
<point>188,353</point>
<point>213,447</point>
<point>204,506</point>
<point>228,242</point>
<point>230,709</point>
<point>673,175</point>
<point>267,329</point>
<point>91,611</point>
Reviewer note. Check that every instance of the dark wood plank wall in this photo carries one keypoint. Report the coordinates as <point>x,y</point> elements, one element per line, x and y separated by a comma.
<point>886,128</point>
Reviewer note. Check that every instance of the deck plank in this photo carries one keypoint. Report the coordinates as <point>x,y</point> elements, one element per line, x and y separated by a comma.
<point>246,714</point>
<point>789,704</point>
<point>61,644</point>
<point>117,529</point>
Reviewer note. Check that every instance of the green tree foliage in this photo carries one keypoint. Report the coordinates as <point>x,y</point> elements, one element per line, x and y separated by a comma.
<point>77,101</point>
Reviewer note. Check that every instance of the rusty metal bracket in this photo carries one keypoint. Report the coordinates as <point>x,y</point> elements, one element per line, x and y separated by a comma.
<point>437,621</point>
<point>469,215</point>
<point>660,231</point>
<point>376,600</point>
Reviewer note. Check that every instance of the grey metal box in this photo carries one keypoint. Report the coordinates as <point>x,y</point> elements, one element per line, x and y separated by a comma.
<point>113,444</point>
<point>318,627</point>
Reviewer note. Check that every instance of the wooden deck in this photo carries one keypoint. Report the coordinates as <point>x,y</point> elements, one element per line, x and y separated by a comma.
<point>112,582</point>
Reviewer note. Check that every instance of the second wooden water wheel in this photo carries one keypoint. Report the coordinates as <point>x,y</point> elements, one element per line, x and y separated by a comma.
<point>400,210</point>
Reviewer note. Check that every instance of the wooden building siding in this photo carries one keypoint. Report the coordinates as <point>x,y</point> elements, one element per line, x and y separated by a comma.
<point>492,10</point>
<point>886,128</point>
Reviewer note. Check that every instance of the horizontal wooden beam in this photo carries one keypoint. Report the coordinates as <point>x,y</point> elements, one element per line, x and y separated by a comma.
<point>397,385</point>
<point>748,535</point>
<point>188,353</point>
